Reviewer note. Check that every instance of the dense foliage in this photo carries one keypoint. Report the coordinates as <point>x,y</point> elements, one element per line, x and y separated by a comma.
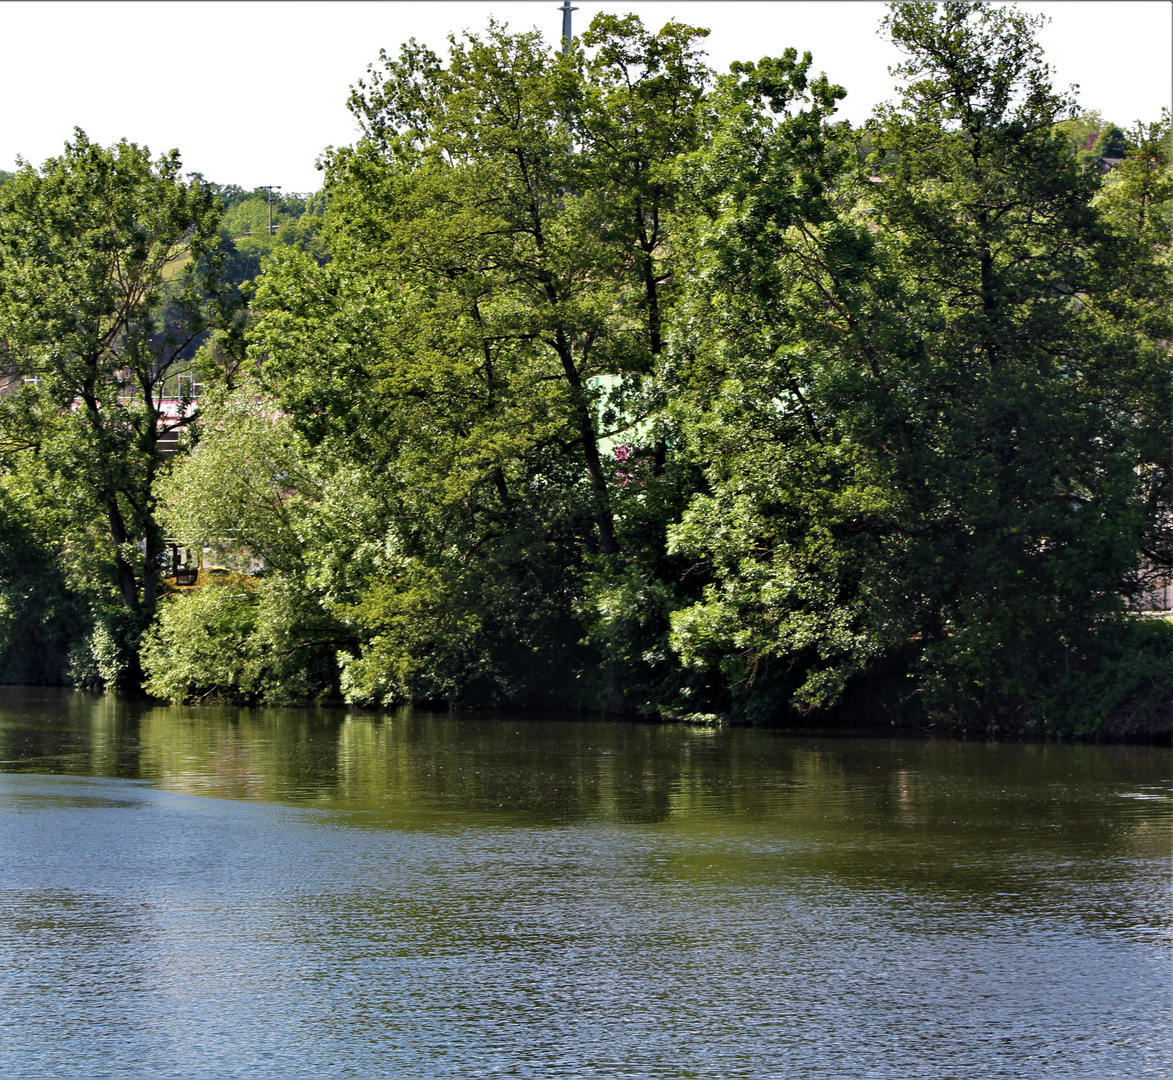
<point>109,281</point>
<point>595,380</point>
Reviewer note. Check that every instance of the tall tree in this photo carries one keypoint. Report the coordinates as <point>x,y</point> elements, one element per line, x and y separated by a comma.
<point>500,256</point>
<point>108,282</point>
<point>936,457</point>
<point>1054,387</point>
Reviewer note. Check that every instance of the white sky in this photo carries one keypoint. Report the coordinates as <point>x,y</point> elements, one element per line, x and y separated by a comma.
<point>252,92</point>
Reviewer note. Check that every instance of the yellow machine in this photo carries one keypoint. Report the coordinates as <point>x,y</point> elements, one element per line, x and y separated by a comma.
<point>186,575</point>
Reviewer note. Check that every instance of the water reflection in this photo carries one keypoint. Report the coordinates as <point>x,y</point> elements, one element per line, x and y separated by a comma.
<point>334,893</point>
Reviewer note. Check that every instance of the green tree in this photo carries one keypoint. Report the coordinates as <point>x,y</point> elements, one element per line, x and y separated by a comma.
<point>1092,138</point>
<point>501,257</point>
<point>245,233</point>
<point>929,461</point>
<point>774,348</point>
<point>108,284</point>
<point>1136,203</point>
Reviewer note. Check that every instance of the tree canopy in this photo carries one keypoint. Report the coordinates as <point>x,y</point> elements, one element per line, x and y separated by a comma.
<point>597,379</point>
<point>109,283</point>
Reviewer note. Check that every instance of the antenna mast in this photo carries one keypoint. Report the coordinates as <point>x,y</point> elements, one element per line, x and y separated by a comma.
<point>566,9</point>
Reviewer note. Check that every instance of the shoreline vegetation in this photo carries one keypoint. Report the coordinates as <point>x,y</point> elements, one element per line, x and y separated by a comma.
<point>597,381</point>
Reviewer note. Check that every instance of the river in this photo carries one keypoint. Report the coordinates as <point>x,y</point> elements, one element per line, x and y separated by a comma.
<point>323,893</point>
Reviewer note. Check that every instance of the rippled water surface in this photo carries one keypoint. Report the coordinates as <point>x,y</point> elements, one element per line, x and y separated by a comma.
<point>219,893</point>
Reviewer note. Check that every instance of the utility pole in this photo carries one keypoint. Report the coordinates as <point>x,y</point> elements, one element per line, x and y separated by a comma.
<point>566,9</point>
<point>270,188</point>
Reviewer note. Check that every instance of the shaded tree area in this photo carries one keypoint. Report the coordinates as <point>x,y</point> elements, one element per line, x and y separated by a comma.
<point>124,297</point>
<point>598,380</point>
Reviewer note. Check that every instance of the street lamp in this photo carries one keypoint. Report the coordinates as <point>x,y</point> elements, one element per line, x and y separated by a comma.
<point>270,188</point>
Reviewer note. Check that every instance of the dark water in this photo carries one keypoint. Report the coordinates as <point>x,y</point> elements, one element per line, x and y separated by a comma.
<point>213,893</point>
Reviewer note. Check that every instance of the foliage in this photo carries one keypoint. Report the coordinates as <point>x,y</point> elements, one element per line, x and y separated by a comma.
<point>108,283</point>
<point>1091,139</point>
<point>923,403</point>
<point>38,611</point>
<point>248,488</point>
<point>237,642</point>
<point>248,493</point>
<point>500,243</point>
<point>245,234</point>
<point>593,380</point>
<point>296,222</point>
<point>1128,694</point>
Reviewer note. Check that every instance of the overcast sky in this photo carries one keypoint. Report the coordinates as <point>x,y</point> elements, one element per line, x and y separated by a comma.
<point>251,93</point>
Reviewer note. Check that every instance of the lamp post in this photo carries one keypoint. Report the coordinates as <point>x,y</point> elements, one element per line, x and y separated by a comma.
<point>270,188</point>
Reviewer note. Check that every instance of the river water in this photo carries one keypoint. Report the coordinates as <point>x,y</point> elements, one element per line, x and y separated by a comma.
<point>317,893</point>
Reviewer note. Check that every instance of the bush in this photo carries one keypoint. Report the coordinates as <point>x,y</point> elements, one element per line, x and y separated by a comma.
<point>241,643</point>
